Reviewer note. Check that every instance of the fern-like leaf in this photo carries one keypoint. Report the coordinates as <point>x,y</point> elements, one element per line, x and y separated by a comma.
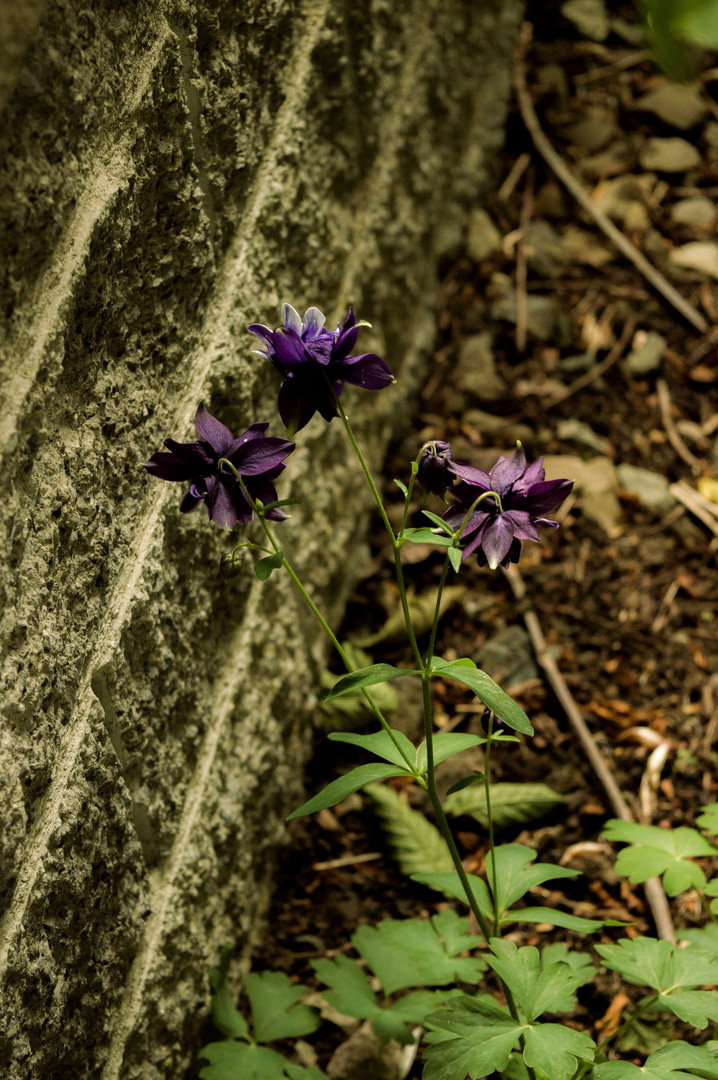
<point>511,804</point>
<point>415,843</point>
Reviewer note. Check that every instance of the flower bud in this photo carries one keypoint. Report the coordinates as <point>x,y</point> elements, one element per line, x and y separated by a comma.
<point>434,475</point>
<point>230,564</point>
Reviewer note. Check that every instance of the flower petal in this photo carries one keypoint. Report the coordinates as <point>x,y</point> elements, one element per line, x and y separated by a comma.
<point>368,371</point>
<point>226,503</point>
<point>168,467</point>
<point>476,477</point>
<point>507,471</point>
<point>542,498</point>
<point>190,501</point>
<point>523,525</point>
<point>261,455</point>
<point>312,323</point>
<point>534,474</point>
<point>256,431</point>
<point>296,403</point>
<point>289,349</point>
<point>219,437</point>
<point>265,334</point>
<point>291,319</point>
<point>497,539</point>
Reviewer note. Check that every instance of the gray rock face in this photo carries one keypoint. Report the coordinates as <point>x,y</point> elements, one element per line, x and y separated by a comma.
<point>170,172</point>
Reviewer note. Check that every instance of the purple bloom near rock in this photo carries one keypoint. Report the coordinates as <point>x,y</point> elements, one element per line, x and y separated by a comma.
<point>495,532</point>
<point>434,468</point>
<point>257,459</point>
<point>313,360</point>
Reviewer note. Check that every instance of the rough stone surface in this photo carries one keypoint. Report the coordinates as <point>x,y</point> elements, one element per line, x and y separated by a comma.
<point>170,171</point>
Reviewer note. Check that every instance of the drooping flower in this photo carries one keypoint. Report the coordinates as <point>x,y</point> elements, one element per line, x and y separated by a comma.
<point>313,360</point>
<point>498,526</point>
<point>434,467</point>
<point>257,459</point>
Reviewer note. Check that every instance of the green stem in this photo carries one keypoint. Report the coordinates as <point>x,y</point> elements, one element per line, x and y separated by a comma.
<point>437,610</point>
<point>492,846</point>
<point>318,615</point>
<point>362,462</point>
<point>407,501</point>
<point>395,546</point>
<point>439,811</point>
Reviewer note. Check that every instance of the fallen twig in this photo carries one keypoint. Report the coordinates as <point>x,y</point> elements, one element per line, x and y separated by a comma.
<point>614,354</point>
<point>703,508</point>
<point>664,400</point>
<point>521,297</point>
<point>653,889</point>
<point>624,245</point>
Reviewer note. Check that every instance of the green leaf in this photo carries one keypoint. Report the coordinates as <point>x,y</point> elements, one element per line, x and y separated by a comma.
<point>414,1008</point>
<point>387,1025</point>
<point>537,987</point>
<point>225,1015</point>
<point>275,1012</point>
<point>409,952</point>
<point>557,918</point>
<point>228,1060</point>
<point>486,690</point>
<point>350,992</point>
<point>304,1072</point>
<point>426,536</point>
<point>510,803</point>
<point>515,875</point>
<point>671,970</point>
<point>674,1061</point>
<point>380,744</point>
<point>415,843</point>
<point>705,938</point>
<point>346,785</point>
<point>450,885</point>
<point>696,1007</point>
<point>709,819</point>
<point>265,567</point>
<point>453,931</point>
<point>368,676</point>
<point>556,1050</point>
<point>584,971</point>
<point>697,21</point>
<point>455,558</point>
<point>468,781</point>
<point>660,851</point>
<point>446,744</point>
<point>488,1034</point>
<point>402,487</point>
<point>352,711</point>
<point>439,522</point>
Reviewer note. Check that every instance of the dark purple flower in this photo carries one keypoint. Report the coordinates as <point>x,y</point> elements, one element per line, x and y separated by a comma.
<point>257,459</point>
<point>495,531</point>
<point>312,360</point>
<point>434,465</point>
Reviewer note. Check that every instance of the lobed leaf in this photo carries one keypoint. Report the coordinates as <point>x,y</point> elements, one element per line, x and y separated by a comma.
<point>275,1012</point>
<point>709,819</point>
<point>660,851</point>
<point>674,1061</point>
<point>537,985</point>
<point>409,952</point>
<point>515,874</point>
<point>225,1015</point>
<point>228,1060</point>
<point>350,992</point>
<point>558,918</point>
<point>450,885</point>
<point>346,785</point>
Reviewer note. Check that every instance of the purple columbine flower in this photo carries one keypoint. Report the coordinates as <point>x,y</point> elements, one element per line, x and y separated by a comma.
<point>312,360</point>
<point>257,459</point>
<point>496,529</point>
<point>434,468</point>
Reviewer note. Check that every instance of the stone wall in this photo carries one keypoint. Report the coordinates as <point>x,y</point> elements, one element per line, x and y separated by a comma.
<point>169,172</point>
